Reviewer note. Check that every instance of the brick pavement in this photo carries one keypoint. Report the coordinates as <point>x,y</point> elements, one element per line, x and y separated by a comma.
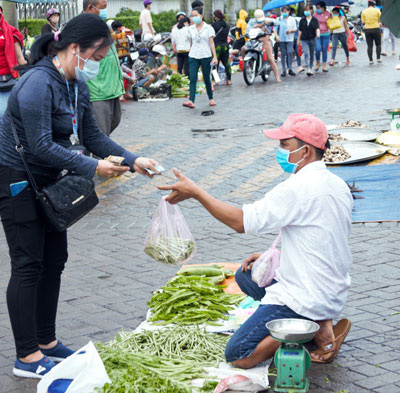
<point>108,278</point>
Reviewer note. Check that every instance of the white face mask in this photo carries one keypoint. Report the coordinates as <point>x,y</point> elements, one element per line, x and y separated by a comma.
<point>90,69</point>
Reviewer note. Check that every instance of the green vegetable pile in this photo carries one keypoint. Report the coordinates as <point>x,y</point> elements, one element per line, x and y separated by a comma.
<point>169,250</point>
<point>217,274</point>
<point>188,300</point>
<point>179,85</point>
<point>164,361</point>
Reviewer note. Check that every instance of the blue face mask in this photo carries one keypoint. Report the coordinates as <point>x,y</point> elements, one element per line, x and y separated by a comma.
<point>90,69</point>
<point>103,13</point>
<point>267,14</point>
<point>319,11</point>
<point>285,14</point>
<point>196,20</point>
<point>282,157</point>
<point>307,13</point>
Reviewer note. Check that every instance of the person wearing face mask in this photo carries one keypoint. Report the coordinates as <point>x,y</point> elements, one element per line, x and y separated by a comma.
<point>322,43</point>
<point>312,211</point>
<point>53,18</point>
<point>155,65</point>
<point>51,110</point>
<point>287,28</point>
<point>202,53</point>
<point>340,34</point>
<point>308,32</point>
<point>108,86</point>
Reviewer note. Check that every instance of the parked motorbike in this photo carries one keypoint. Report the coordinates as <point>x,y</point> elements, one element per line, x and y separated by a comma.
<point>255,61</point>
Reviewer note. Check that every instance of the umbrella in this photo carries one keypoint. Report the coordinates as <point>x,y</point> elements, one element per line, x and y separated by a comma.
<point>391,16</point>
<point>279,4</point>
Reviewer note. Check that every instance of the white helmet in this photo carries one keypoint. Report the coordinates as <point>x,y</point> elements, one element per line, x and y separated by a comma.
<point>159,49</point>
<point>259,16</point>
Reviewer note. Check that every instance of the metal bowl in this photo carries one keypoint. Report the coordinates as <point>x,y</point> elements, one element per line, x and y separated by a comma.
<point>293,330</point>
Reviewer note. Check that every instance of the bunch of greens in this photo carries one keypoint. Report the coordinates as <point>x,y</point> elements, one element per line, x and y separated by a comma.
<point>188,300</point>
<point>179,85</point>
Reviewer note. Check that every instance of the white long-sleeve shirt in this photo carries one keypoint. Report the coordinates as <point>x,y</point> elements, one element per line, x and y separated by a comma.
<point>312,209</point>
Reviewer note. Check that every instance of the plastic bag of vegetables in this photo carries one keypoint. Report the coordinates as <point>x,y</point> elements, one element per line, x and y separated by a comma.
<point>169,239</point>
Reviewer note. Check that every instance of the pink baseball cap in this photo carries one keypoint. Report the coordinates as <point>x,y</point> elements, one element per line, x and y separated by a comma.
<point>308,128</point>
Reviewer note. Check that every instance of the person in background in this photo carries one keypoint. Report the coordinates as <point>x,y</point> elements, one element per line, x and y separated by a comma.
<point>181,45</point>
<point>221,29</point>
<point>202,53</point>
<point>371,18</point>
<point>322,43</point>
<point>241,25</point>
<point>146,22</point>
<point>287,28</point>
<point>340,34</point>
<point>308,32</point>
<point>154,64</point>
<point>259,22</point>
<point>11,44</point>
<point>197,4</point>
<point>108,86</point>
<point>292,13</point>
<point>41,106</point>
<point>53,17</point>
<point>143,78</point>
<point>386,35</point>
<point>179,16</point>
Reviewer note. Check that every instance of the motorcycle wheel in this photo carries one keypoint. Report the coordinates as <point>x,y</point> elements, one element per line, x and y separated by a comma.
<point>249,71</point>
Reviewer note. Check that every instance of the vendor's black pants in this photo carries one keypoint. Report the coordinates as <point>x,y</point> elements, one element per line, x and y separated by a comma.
<point>183,62</point>
<point>37,261</point>
<point>371,36</point>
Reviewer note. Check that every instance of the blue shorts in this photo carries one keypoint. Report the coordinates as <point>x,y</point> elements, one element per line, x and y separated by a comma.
<point>144,80</point>
<point>244,342</point>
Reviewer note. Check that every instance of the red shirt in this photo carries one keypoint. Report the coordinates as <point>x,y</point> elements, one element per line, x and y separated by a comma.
<point>4,69</point>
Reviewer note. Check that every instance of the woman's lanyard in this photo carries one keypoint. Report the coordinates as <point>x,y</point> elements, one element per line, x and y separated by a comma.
<point>74,138</point>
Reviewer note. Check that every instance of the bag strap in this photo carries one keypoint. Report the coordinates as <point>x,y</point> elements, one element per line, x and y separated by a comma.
<point>20,149</point>
<point>276,241</point>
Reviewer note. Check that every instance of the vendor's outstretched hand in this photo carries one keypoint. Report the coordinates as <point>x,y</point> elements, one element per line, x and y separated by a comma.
<point>249,262</point>
<point>183,189</point>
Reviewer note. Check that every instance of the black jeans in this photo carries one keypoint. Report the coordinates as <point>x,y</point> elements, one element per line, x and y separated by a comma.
<point>183,62</point>
<point>371,36</point>
<point>37,261</point>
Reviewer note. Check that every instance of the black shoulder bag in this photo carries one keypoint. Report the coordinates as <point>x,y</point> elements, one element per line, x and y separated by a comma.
<point>65,201</point>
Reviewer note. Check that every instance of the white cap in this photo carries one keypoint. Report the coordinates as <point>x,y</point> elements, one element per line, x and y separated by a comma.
<point>159,49</point>
<point>259,15</point>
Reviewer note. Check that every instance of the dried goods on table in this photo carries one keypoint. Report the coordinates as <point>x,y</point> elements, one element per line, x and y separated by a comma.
<point>336,153</point>
<point>336,137</point>
<point>352,123</point>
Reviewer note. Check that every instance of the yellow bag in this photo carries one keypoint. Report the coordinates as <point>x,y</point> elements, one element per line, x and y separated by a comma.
<point>334,23</point>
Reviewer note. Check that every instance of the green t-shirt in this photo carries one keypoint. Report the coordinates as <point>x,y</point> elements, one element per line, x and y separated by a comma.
<point>109,82</point>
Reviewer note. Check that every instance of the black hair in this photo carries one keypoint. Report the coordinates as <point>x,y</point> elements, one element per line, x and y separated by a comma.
<point>182,22</point>
<point>87,3</point>
<point>322,4</point>
<point>84,29</point>
<point>116,25</point>
<point>286,7</point>
<point>198,9</point>
<point>197,4</point>
<point>319,153</point>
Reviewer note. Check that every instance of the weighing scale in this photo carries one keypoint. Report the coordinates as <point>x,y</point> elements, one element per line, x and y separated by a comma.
<point>395,123</point>
<point>292,359</point>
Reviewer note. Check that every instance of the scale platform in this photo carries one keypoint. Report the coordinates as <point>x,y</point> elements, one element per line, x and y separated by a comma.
<point>292,360</point>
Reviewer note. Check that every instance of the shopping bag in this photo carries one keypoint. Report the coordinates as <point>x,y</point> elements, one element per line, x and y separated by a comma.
<point>264,268</point>
<point>333,23</point>
<point>351,45</point>
<point>169,239</point>
<point>81,372</point>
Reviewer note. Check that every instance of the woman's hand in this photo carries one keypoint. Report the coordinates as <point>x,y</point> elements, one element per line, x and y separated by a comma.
<point>143,163</point>
<point>214,60</point>
<point>182,190</point>
<point>108,169</point>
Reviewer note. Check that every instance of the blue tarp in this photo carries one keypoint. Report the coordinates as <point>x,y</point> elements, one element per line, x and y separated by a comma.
<point>381,191</point>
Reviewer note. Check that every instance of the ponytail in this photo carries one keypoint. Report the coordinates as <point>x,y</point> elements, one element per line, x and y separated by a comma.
<point>85,30</point>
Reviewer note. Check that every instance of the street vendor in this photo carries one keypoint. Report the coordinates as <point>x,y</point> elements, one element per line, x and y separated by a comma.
<point>312,210</point>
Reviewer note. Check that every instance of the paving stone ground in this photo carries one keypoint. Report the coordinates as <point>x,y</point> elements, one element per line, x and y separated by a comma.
<point>108,279</point>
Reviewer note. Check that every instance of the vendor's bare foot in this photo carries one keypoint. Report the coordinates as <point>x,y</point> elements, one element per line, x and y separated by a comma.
<point>324,335</point>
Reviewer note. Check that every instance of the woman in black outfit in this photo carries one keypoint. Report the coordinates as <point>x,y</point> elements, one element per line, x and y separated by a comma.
<point>221,43</point>
<point>308,31</point>
<point>51,109</point>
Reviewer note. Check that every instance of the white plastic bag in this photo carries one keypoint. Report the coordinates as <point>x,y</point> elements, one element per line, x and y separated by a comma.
<point>81,372</point>
<point>264,268</point>
<point>169,239</point>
